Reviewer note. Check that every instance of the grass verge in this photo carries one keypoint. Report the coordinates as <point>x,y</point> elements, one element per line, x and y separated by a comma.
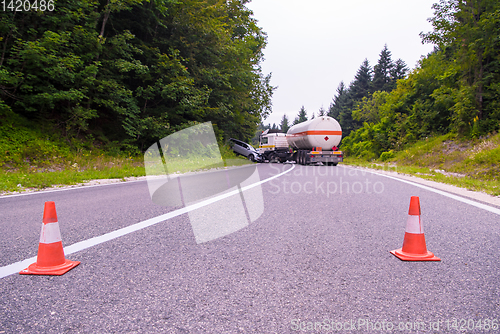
<point>86,167</point>
<point>30,178</point>
<point>83,169</point>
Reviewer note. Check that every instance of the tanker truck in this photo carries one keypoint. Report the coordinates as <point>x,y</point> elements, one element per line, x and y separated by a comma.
<point>305,143</point>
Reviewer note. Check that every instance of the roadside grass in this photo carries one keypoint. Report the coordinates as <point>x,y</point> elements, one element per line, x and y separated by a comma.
<point>78,170</point>
<point>85,167</point>
<point>470,164</point>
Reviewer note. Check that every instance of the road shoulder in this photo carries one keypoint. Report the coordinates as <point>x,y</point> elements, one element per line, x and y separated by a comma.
<point>475,195</point>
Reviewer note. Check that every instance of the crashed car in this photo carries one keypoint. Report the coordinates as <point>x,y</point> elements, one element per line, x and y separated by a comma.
<point>246,150</point>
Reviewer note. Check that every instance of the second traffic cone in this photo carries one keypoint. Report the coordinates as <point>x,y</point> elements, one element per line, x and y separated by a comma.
<point>414,248</point>
<point>50,259</point>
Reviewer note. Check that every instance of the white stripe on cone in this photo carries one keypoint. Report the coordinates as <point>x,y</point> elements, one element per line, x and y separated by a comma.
<point>414,225</point>
<point>50,233</point>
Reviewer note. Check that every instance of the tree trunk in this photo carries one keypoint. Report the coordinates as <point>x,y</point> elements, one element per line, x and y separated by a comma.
<point>479,89</point>
<point>7,39</point>
<point>105,19</point>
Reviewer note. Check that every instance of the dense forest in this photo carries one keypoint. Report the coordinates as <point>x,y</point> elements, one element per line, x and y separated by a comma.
<point>456,88</point>
<point>134,71</point>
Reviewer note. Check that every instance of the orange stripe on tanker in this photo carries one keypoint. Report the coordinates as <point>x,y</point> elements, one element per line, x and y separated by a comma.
<point>317,133</point>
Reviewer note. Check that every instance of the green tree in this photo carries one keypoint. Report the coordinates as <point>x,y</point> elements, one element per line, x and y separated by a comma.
<point>368,110</point>
<point>467,31</point>
<point>382,71</point>
<point>284,125</point>
<point>339,102</point>
<point>301,116</point>
<point>362,84</point>
<point>399,71</point>
<point>358,89</point>
<point>386,73</point>
<point>321,112</point>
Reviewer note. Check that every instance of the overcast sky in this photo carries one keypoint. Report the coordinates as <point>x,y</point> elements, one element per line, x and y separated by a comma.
<point>315,44</point>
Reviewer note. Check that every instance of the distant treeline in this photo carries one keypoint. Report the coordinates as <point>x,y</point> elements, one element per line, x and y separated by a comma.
<point>134,71</point>
<point>456,88</point>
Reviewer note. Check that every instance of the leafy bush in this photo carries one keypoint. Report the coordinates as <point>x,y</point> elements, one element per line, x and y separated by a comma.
<point>387,155</point>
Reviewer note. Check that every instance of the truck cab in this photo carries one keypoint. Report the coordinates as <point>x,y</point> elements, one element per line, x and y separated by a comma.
<point>273,146</point>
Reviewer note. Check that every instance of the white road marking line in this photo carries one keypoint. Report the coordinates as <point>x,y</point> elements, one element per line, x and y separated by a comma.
<point>18,266</point>
<point>71,187</point>
<point>444,193</point>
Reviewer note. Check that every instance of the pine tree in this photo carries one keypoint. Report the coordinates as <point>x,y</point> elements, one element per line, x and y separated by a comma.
<point>362,84</point>
<point>301,117</point>
<point>339,101</point>
<point>321,112</point>
<point>359,88</point>
<point>382,78</point>
<point>285,124</point>
<point>398,72</point>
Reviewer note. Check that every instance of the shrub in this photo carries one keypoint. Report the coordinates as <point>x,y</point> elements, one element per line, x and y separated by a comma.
<point>387,155</point>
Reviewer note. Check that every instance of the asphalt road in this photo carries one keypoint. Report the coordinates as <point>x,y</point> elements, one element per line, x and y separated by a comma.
<point>316,260</point>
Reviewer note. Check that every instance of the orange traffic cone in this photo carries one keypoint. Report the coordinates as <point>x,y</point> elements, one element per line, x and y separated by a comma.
<point>50,259</point>
<point>414,248</point>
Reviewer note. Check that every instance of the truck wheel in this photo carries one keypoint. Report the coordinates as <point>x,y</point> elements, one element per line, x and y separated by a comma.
<point>303,158</point>
<point>307,159</point>
<point>273,157</point>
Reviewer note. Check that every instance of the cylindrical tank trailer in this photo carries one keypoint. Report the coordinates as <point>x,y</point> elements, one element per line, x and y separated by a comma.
<point>324,132</point>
